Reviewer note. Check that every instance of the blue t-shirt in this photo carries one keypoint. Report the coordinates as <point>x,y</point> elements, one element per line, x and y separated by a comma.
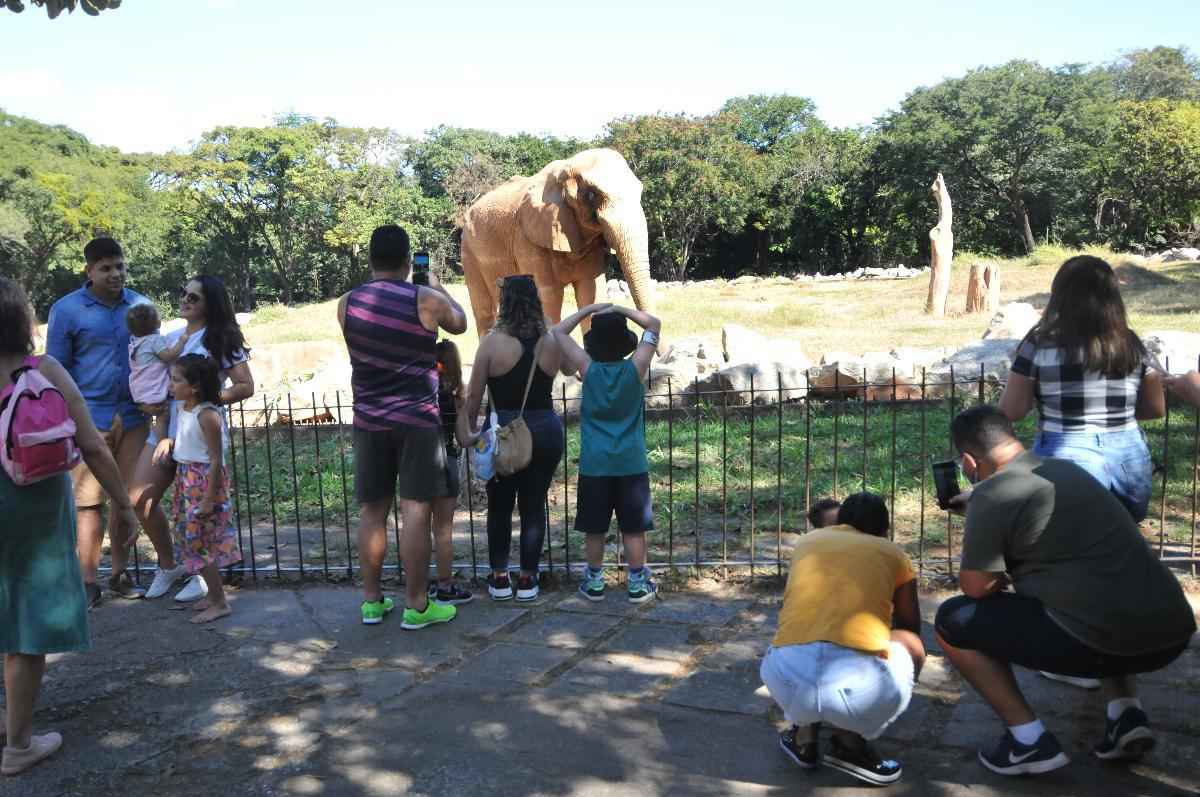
<point>91,341</point>
<point>612,439</point>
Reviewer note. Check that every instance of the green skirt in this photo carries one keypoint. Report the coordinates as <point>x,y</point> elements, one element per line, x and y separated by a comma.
<point>43,607</point>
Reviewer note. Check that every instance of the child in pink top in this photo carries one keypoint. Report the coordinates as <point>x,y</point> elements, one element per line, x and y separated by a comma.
<point>150,355</point>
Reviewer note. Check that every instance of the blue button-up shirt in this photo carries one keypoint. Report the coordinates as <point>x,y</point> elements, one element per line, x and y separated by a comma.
<point>91,341</point>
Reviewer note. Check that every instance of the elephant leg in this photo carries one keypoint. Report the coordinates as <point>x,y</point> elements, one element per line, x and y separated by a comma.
<point>586,291</point>
<point>483,302</point>
<point>552,298</point>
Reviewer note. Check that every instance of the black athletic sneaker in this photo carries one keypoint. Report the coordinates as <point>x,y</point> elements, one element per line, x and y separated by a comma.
<point>452,594</point>
<point>499,587</point>
<point>95,595</point>
<point>805,754</point>
<point>1128,736</point>
<point>1010,757</point>
<point>862,762</point>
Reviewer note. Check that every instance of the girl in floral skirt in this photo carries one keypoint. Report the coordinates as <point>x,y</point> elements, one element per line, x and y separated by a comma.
<point>204,538</point>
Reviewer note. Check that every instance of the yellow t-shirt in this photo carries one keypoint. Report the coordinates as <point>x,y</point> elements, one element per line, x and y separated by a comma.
<point>840,588</point>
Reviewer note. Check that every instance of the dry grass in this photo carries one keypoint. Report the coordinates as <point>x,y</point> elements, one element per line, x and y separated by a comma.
<point>837,316</point>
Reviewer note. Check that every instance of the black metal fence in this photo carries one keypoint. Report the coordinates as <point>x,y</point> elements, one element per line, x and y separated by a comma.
<point>733,473</point>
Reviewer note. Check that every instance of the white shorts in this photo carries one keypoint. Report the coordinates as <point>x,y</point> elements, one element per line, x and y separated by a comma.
<point>842,687</point>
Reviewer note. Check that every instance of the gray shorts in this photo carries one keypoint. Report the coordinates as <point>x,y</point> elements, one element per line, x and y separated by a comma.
<point>841,687</point>
<point>407,462</point>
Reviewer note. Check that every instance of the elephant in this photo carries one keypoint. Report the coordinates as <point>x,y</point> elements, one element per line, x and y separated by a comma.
<point>558,226</point>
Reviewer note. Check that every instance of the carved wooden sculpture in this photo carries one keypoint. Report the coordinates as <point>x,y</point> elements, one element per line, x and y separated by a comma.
<point>983,287</point>
<point>941,239</point>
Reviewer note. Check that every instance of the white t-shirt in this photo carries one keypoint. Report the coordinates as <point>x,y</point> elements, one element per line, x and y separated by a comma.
<point>190,446</point>
<point>195,345</point>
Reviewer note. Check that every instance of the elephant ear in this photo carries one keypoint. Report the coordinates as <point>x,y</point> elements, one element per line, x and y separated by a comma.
<point>546,218</point>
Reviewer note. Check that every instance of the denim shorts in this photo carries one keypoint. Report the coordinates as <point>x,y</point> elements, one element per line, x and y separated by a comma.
<point>839,686</point>
<point>1119,460</point>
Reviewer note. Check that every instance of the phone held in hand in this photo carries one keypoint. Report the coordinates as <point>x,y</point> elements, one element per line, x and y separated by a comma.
<point>945,481</point>
<point>420,274</point>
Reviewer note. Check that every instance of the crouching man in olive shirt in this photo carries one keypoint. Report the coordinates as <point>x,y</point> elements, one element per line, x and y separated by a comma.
<point>1090,598</point>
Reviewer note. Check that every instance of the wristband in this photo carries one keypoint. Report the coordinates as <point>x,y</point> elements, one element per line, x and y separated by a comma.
<point>650,336</point>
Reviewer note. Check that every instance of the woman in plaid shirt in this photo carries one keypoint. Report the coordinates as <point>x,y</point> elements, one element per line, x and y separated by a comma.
<point>1092,380</point>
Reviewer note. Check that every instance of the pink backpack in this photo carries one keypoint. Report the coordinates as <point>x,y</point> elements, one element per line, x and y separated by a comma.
<point>37,435</point>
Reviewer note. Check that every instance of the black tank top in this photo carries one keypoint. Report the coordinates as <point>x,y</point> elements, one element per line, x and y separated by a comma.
<point>507,389</point>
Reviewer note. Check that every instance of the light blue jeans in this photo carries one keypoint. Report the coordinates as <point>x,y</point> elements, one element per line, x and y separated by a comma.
<point>1119,460</point>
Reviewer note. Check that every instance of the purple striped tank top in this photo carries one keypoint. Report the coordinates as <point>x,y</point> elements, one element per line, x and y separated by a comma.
<point>394,372</point>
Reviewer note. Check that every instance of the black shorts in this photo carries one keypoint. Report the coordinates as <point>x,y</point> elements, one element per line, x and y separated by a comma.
<point>409,462</point>
<point>452,480</point>
<point>1016,629</point>
<point>599,496</point>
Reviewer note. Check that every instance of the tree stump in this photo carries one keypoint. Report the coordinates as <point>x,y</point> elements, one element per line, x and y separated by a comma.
<point>983,287</point>
<point>941,239</point>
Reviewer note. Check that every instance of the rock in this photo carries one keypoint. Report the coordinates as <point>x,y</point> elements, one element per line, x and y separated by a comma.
<point>1177,351</point>
<point>995,355</point>
<point>1183,253</point>
<point>672,385</point>
<point>285,364</point>
<point>920,358</point>
<point>242,318</point>
<point>836,379</point>
<point>732,384</point>
<point>704,352</point>
<point>1012,320</point>
<point>617,289</point>
<point>573,393</point>
<point>739,344</point>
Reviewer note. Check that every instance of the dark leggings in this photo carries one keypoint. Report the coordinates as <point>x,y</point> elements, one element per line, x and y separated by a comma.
<point>527,489</point>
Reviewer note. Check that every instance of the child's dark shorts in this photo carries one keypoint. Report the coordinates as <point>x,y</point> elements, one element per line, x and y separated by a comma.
<point>600,496</point>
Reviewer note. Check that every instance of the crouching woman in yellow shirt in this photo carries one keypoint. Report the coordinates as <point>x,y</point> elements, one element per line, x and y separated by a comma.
<point>848,647</point>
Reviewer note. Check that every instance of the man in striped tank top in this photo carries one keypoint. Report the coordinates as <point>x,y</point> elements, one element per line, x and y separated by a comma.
<point>391,326</point>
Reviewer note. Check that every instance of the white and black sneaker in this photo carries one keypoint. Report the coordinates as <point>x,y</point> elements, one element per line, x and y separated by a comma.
<point>1010,757</point>
<point>1128,736</point>
<point>861,761</point>
<point>803,754</point>
<point>499,586</point>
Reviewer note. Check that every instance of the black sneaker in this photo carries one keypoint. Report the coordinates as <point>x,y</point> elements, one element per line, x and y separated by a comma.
<point>862,762</point>
<point>123,587</point>
<point>94,594</point>
<point>806,754</point>
<point>1010,757</point>
<point>451,594</point>
<point>500,587</point>
<point>1128,736</point>
<point>527,588</point>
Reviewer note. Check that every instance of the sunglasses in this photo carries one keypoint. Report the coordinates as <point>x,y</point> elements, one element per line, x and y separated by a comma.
<point>190,298</point>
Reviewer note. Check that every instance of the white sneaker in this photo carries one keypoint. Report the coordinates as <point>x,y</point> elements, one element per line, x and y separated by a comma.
<point>163,581</point>
<point>194,591</point>
<point>1082,683</point>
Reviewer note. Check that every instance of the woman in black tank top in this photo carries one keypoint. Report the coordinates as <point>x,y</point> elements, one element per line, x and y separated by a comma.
<point>520,320</point>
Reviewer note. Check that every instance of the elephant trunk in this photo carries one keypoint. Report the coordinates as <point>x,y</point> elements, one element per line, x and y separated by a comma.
<point>625,231</point>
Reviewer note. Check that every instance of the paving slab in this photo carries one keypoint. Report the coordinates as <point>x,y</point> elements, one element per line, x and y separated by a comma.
<point>565,629</point>
<point>621,674</point>
<point>656,640</point>
<point>693,611</point>
<point>734,691</point>
<point>614,603</point>
<point>524,664</point>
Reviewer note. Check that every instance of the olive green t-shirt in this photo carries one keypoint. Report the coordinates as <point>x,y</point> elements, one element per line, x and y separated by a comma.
<point>1067,541</point>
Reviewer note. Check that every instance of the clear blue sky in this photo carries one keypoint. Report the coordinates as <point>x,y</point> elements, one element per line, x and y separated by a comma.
<point>155,74</point>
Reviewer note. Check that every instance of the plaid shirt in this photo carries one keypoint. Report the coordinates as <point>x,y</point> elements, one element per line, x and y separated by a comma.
<point>1070,399</point>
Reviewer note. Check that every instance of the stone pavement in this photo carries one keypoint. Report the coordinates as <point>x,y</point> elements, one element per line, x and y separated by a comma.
<point>293,696</point>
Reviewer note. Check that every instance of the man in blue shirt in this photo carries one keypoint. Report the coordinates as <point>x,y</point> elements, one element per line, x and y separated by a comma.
<point>87,334</point>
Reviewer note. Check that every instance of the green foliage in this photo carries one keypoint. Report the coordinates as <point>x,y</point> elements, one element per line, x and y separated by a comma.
<point>1166,73</point>
<point>56,7</point>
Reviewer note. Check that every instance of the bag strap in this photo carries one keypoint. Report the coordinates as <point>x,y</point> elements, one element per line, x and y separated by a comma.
<point>532,368</point>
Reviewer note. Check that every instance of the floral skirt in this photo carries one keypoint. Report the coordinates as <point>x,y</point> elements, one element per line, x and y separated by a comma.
<point>201,541</point>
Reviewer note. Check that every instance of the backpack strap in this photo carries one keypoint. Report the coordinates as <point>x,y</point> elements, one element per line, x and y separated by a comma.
<point>532,368</point>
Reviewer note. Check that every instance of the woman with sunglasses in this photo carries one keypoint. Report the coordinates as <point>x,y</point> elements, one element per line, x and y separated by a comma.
<point>519,351</point>
<point>212,331</point>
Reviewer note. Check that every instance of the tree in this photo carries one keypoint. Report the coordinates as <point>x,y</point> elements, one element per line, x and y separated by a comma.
<point>56,7</point>
<point>1167,73</point>
<point>694,172</point>
<point>1007,137</point>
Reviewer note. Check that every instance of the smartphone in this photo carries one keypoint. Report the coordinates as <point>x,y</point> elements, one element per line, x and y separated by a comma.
<point>420,275</point>
<point>945,481</point>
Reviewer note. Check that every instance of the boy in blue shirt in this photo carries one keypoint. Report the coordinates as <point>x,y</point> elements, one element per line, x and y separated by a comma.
<point>613,472</point>
<point>88,336</point>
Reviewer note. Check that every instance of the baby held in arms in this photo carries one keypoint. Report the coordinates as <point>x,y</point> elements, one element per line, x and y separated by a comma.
<point>150,355</point>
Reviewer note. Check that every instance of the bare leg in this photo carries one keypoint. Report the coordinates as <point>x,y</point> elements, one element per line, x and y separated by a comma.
<point>1119,686</point>
<point>22,682</point>
<point>146,490</point>
<point>414,550</point>
<point>127,454</point>
<point>594,550</point>
<point>89,534</point>
<point>634,543</point>
<point>372,546</point>
<point>218,606</point>
<point>443,537</point>
<point>994,681</point>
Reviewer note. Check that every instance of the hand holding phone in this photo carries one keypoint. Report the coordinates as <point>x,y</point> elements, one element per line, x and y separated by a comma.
<point>945,481</point>
<point>420,271</point>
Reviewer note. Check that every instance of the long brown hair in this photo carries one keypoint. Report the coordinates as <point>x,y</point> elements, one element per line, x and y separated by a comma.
<point>16,319</point>
<point>449,366</point>
<point>1086,315</point>
<point>521,314</point>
